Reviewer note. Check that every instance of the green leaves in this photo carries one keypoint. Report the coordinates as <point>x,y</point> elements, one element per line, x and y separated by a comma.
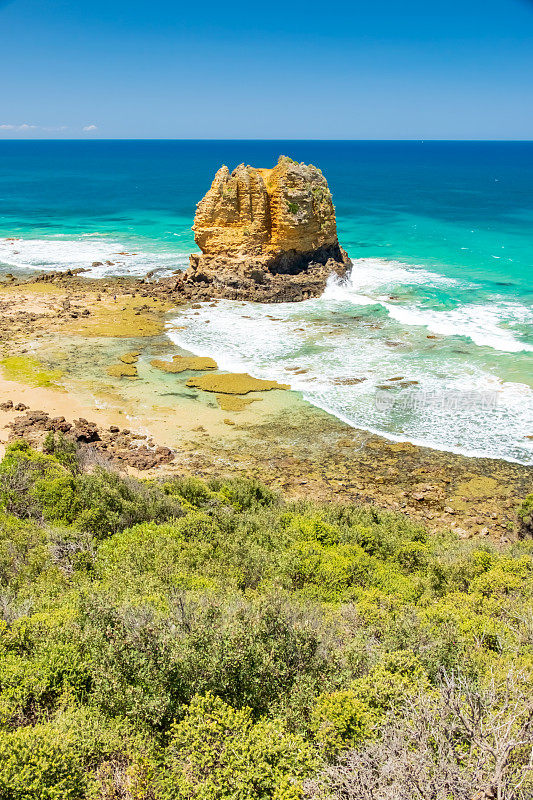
<point>37,763</point>
<point>341,720</point>
<point>33,485</point>
<point>219,753</point>
<point>183,640</point>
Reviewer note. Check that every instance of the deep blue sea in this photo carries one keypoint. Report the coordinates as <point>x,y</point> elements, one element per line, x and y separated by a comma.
<point>440,298</point>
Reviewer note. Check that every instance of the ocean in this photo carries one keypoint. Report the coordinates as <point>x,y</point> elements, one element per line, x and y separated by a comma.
<point>430,340</point>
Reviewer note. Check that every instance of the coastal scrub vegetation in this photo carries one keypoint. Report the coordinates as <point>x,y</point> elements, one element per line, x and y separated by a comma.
<point>178,639</point>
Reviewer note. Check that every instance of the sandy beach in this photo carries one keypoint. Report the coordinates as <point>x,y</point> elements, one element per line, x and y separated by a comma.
<point>60,340</point>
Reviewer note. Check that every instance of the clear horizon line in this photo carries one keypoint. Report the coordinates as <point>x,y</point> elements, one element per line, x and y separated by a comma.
<point>253,139</point>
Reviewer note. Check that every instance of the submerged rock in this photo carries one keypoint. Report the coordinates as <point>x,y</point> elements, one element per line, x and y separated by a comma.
<point>131,357</point>
<point>234,383</point>
<point>184,363</point>
<point>266,234</point>
<point>348,381</point>
<point>122,370</point>
<point>230,402</point>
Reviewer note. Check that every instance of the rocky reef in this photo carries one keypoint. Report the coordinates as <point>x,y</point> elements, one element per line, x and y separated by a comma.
<point>266,234</point>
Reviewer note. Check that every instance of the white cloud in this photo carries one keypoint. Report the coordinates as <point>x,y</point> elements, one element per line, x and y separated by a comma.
<point>27,127</point>
<point>24,127</point>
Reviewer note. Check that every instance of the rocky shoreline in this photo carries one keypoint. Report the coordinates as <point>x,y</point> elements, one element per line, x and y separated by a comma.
<point>282,440</point>
<point>265,235</point>
<point>118,447</point>
<point>473,497</point>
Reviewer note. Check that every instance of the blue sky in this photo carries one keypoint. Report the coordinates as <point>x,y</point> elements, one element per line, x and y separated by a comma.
<point>385,69</point>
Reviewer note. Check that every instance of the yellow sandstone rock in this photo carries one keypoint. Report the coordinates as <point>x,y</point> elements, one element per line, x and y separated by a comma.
<point>184,363</point>
<point>267,233</point>
<point>229,402</point>
<point>234,383</point>
<point>266,211</point>
<point>122,371</point>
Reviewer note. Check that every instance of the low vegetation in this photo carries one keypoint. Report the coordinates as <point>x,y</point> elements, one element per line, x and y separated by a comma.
<point>185,640</point>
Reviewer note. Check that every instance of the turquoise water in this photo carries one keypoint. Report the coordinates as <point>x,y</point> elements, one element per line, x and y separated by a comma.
<point>441,295</point>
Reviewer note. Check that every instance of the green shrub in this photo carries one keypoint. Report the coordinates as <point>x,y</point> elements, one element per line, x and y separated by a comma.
<point>110,503</point>
<point>507,576</point>
<point>341,720</point>
<point>244,494</point>
<point>312,528</point>
<point>132,673</point>
<point>412,555</point>
<point>37,485</point>
<point>36,763</point>
<point>57,499</point>
<point>63,449</point>
<point>190,489</point>
<point>41,665</point>
<point>383,690</point>
<point>23,552</point>
<point>217,752</point>
<point>20,469</point>
<point>249,653</point>
<point>138,614</point>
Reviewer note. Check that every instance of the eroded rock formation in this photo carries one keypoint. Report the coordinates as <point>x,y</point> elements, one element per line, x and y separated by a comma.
<point>267,234</point>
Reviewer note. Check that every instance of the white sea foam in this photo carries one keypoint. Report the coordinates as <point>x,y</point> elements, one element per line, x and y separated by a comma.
<point>63,252</point>
<point>267,341</point>
<point>482,323</point>
<point>372,274</point>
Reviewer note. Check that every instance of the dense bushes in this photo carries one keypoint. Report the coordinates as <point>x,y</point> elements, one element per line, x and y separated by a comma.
<point>217,752</point>
<point>37,763</point>
<point>49,488</point>
<point>163,641</point>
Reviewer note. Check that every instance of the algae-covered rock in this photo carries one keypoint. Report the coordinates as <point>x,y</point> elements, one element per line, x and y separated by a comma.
<point>166,366</point>
<point>29,370</point>
<point>122,371</point>
<point>184,363</point>
<point>234,383</point>
<point>229,402</point>
<point>479,486</point>
<point>125,319</point>
<point>130,358</point>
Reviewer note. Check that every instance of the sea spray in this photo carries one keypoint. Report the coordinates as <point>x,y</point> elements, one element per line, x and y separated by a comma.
<point>342,350</point>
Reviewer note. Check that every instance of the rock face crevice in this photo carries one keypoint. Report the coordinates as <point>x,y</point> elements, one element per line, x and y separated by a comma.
<point>267,234</point>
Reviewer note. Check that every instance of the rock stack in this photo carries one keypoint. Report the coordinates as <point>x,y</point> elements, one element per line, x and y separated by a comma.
<point>266,234</point>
